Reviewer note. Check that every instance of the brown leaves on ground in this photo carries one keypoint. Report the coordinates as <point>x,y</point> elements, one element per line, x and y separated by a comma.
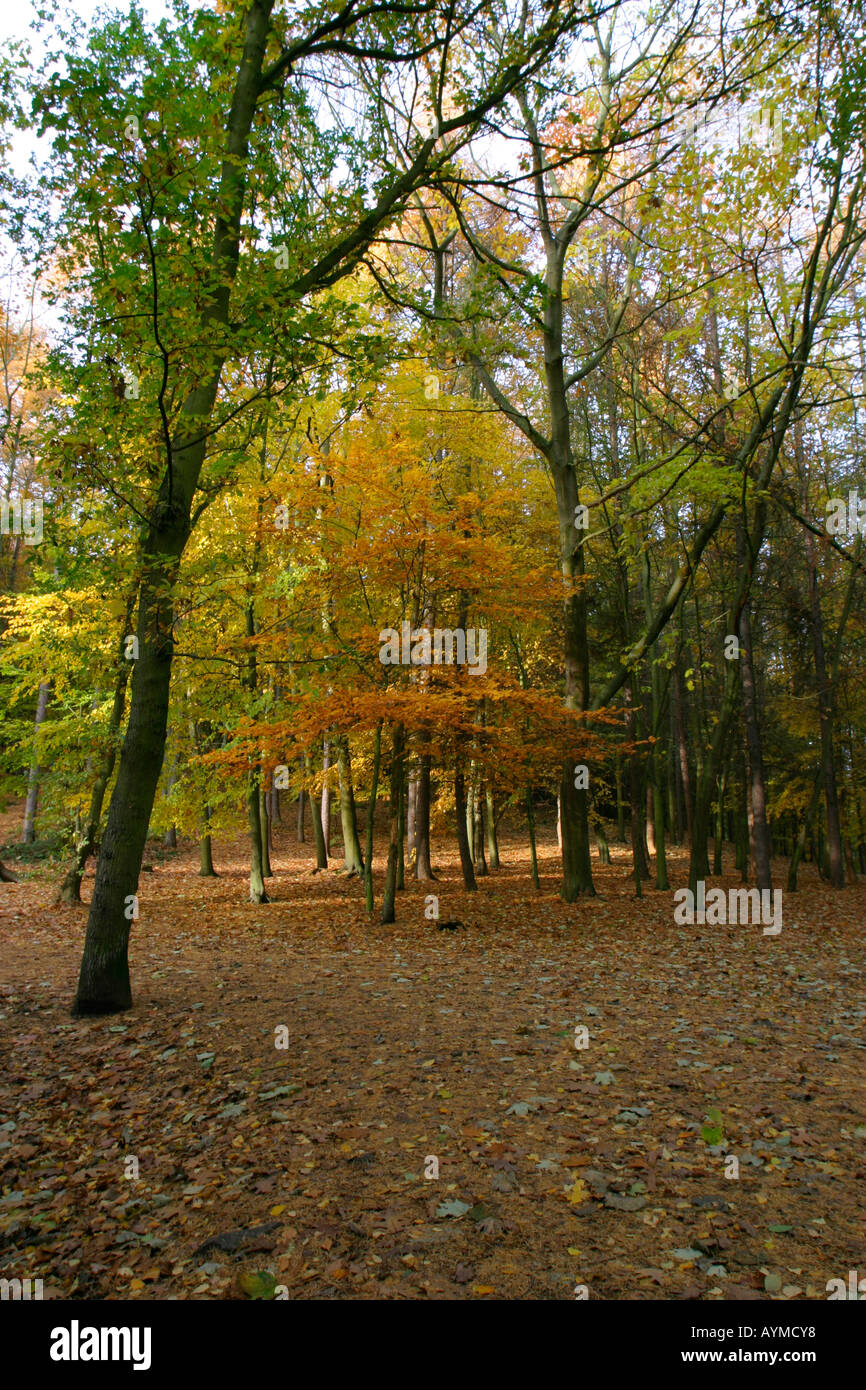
<point>300,1172</point>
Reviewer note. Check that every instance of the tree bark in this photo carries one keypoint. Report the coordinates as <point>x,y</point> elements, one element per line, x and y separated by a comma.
<point>371,819</point>
<point>462,835</point>
<point>396,785</point>
<point>103,982</point>
<point>348,810</point>
<point>28,831</point>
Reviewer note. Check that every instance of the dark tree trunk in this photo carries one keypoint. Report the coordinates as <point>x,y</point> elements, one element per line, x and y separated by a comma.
<point>533,853</point>
<point>423,870</point>
<point>390,893</point>
<point>257,868</point>
<point>757,786</point>
<point>70,888</point>
<point>103,982</point>
<point>826,720</point>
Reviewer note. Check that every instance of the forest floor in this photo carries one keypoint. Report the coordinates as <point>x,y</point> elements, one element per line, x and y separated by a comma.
<point>558,1165</point>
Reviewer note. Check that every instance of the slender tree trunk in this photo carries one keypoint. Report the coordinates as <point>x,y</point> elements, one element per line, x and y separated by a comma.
<point>371,818</point>
<point>348,810</point>
<point>601,837</point>
<point>620,801</point>
<point>720,826</point>
<point>70,888</point>
<point>685,781</point>
<point>757,786</point>
<point>316,817</point>
<point>533,854</point>
<point>28,832</point>
<point>411,844</point>
<point>257,871</point>
<point>326,797</point>
<point>423,870</point>
<point>301,809</point>
<point>462,835</point>
<point>699,864</point>
<point>390,893</point>
<point>492,838</point>
<point>478,858</point>
<point>401,832</point>
<point>640,863</point>
<point>826,720</point>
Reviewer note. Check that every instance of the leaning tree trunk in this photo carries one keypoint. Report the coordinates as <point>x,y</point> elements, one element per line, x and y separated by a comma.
<point>103,982</point>
<point>70,888</point>
<point>6,875</point>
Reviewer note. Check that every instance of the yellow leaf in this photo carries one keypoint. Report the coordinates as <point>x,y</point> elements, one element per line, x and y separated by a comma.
<point>577,1193</point>
<point>482,1289</point>
<point>275,1211</point>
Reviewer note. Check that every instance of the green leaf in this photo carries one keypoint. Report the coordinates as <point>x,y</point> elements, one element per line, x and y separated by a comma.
<point>259,1285</point>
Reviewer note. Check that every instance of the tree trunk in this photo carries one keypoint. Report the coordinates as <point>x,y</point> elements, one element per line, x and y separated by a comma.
<point>411,845</point>
<point>757,786</point>
<point>301,809</point>
<point>492,838</point>
<point>326,797</point>
<point>257,868</point>
<point>316,817</point>
<point>826,721</point>
<point>423,870</point>
<point>70,888</point>
<point>620,801</point>
<point>28,831</point>
<point>6,875</point>
<point>103,982</point>
<point>533,854</point>
<point>401,831</point>
<point>479,858</point>
<point>462,835</point>
<point>348,810</point>
<point>371,817</point>
<point>396,786</point>
<point>264,821</point>
<point>206,868</point>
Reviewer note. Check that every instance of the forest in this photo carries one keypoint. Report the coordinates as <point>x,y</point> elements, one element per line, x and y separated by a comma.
<point>432,656</point>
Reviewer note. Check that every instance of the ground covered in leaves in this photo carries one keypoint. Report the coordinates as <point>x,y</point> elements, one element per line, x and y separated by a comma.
<point>305,1169</point>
